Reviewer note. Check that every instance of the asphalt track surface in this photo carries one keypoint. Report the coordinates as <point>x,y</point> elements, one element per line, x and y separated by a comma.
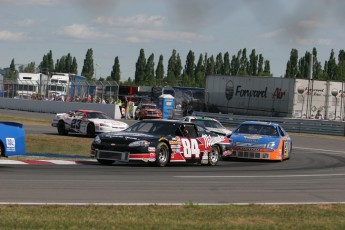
<point>314,174</point>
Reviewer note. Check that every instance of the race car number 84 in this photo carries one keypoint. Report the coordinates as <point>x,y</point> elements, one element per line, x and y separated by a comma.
<point>190,147</point>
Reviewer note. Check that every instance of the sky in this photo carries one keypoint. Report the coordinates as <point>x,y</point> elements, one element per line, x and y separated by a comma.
<point>29,29</point>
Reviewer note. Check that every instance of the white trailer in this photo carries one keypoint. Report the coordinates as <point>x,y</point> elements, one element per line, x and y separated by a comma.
<point>272,96</point>
<point>265,96</point>
<point>29,84</point>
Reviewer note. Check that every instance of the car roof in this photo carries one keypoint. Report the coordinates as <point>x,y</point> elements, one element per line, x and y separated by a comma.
<point>166,121</point>
<point>88,111</point>
<point>259,123</point>
<point>200,118</point>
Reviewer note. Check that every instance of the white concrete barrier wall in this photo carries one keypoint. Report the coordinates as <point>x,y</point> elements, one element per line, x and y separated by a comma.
<point>57,106</point>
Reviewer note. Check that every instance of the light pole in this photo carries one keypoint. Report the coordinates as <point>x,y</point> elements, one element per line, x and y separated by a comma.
<point>335,94</point>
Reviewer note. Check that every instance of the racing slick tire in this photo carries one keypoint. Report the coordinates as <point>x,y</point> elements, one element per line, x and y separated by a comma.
<point>105,162</point>
<point>90,130</point>
<point>162,154</point>
<point>61,128</point>
<point>213,156</point>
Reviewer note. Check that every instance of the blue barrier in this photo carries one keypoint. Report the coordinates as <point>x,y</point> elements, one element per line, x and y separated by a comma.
<point>12,139</point>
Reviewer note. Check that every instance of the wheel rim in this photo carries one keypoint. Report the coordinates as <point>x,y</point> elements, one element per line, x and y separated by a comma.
<point>163,154</point>
<point>214,154</point>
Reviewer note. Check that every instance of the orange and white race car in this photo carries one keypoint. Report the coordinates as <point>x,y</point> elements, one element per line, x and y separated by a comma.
<point>260,140</point>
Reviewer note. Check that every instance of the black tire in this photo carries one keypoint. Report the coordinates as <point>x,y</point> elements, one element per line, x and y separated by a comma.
<point>289,156</point>
<point>105,162</point>
<point>213,156</point>
<point>90,130</point>
<point>2,150</point>
<point>61,128</point>
<point>162,154</point>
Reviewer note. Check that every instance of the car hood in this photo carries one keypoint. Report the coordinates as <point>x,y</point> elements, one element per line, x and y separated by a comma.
<point>220,131</point>
<point>109,121</point>
<point>128,136</point>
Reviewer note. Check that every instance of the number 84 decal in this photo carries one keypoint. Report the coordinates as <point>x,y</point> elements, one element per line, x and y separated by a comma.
<point>190,148</point>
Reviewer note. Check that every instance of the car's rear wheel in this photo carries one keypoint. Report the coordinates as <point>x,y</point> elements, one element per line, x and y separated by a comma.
<point>90,130</point>
<point>213,156</point>
<point>162,154</point>
<point>61,128</point>
<point>105,162</point>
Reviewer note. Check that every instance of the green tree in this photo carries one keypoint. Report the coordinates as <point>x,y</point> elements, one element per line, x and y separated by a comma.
<point>150,71</point>
<point>341,71</point>
<point>243,71</point>
<point>219,64</point>
<point>47,64</point>
<point>200,73</point>
<point>331,67</point>
<point>317,69</point>
<point>210,66</point>
<point>291,66</point>
<point>171,71</point>
<point>235,65</point>
<point>88,68</point>
<point>159,71</point>
<point>74,67</point>
<point>261,65</point>
<point>253,63</point>
<point>30,68</point>
<point>12,71</point>
<point>115,73</point>
<point>267,68</point>
<point>189,69</point>
<point>140,68</point>
<point>226,64</point>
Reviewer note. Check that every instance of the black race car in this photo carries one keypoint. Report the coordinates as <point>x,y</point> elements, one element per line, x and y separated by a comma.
<point>160,142</point>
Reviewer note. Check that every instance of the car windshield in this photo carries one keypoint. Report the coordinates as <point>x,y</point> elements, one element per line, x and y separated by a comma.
<point>207,123</point>
<point>95,115</point>
<point>257,129</point>
<point>149,106</point>
<point>157,128</point>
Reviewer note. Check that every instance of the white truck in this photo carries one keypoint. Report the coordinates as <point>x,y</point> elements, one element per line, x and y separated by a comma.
<point>31,84</point>
<point>58,86</point>
<point>273,96</point>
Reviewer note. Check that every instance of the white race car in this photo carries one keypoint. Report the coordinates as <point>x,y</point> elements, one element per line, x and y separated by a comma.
<point>88,122</point>
<point>209,123</point>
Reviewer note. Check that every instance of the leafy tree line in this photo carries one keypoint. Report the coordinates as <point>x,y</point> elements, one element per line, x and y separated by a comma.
<point>331,69</point>
<point>192,73</point>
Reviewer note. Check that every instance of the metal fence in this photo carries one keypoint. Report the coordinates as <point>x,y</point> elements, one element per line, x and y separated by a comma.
<point>83,91</point>
<point>312,126</point>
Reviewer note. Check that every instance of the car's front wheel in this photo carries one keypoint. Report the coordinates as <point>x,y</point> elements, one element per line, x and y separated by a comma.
<point>61,128</point>
<point>162,154</point>
<point>213,156</point>
<point>90,130</point>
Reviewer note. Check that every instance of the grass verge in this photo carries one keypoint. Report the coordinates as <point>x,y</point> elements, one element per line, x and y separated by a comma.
<point>188,216</point>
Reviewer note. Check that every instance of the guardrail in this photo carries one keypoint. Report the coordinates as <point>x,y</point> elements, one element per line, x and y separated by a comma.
<point>327,127</point>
